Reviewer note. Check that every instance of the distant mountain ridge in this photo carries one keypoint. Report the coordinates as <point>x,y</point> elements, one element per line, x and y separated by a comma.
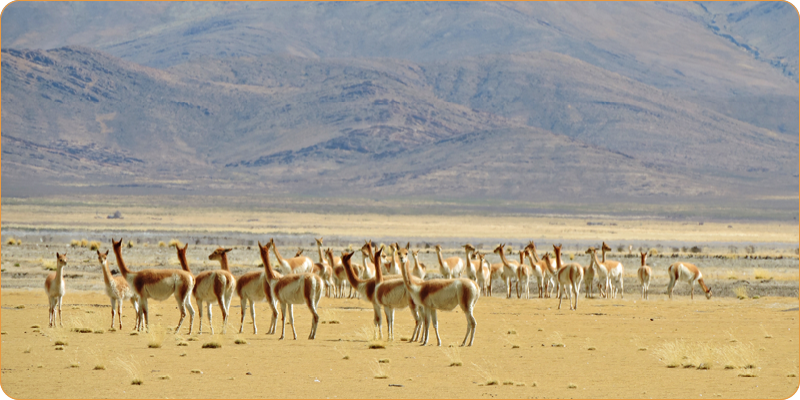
<point>580,102</point>
<point>291,124</point>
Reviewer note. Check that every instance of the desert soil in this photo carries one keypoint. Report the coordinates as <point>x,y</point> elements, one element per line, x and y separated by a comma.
<point>612,348</point>
<point>610,351</point>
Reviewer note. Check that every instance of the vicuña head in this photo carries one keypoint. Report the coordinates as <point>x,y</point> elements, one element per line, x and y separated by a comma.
<point>219,253</point>
<point>61,259</point>
<point>102,257</point>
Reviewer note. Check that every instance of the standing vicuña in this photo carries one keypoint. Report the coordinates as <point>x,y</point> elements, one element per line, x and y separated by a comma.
<point>292,289</point>
<point>615,275</point>
<point>118,290</point>
<point>211,287</point>
<point>569,278</point>
<point>158,284</point>
<point>450,267</point>
<point>390,294</point>
<point>443,294</point>
<point>55,289</point>
<point>509,269</point>
<point>644,273</point>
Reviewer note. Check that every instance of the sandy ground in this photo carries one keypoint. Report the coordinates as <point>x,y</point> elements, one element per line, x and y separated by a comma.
<point>610,351</point>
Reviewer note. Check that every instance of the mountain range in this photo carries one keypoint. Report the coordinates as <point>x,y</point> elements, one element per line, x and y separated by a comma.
<point>577,102</point>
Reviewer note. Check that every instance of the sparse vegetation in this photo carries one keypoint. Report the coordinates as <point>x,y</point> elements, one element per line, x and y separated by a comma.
<point>173,243</point>
<point>94,245</point>
<point>196,371</point>
<point>761,274</point>
<point>133,368</point>
<point>344,354</point>
<point>162,244</point>
<point>556,340</point>
<point>453,354</point>
<point>740,292</point>
<point>212,345</point>
<point>487,374</point>
<point>704,356</point>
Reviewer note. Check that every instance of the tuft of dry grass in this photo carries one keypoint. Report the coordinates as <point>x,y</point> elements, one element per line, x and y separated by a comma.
<point>240,341</point>
<point>369,336</point>
<point>99,367</point>
<point>741,292</point>
<point>94,245</point>
<point>380,370</point>
<point>761,273</point>
<point>133,368</point>
<point>212,345</point>
<point>131,244</point>
<point>164,377</point>
<point>557,340</point>
<point>766,334</point>
<point>173,243</point>
<point>671,354</point>
<point>704,356</point>
<point>572,386</point>
<point>453,354</point>
<point>344,354</point>
<point>197,371</point>
<point>48,264</point>
<point>488,375</point>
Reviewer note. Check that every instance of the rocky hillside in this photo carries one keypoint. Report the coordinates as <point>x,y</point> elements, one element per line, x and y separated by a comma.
<point>552,128</point>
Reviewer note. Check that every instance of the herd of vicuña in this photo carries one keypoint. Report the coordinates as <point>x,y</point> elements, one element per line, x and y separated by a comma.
<point>388,281</point>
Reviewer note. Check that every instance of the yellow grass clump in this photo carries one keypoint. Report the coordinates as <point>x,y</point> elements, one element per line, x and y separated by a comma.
<point>453,354</point>
<point>740,292</point>
<point>487,374</point>
<point>94,245</point>
<point>681,353</point>
<point>133,368</point>
<point>162,244</point>
<point>173,243</point>
<point>761,273</point>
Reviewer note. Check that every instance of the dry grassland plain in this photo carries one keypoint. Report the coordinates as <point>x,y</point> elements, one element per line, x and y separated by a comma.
<point>523,348</point>
<point>725,347</point>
